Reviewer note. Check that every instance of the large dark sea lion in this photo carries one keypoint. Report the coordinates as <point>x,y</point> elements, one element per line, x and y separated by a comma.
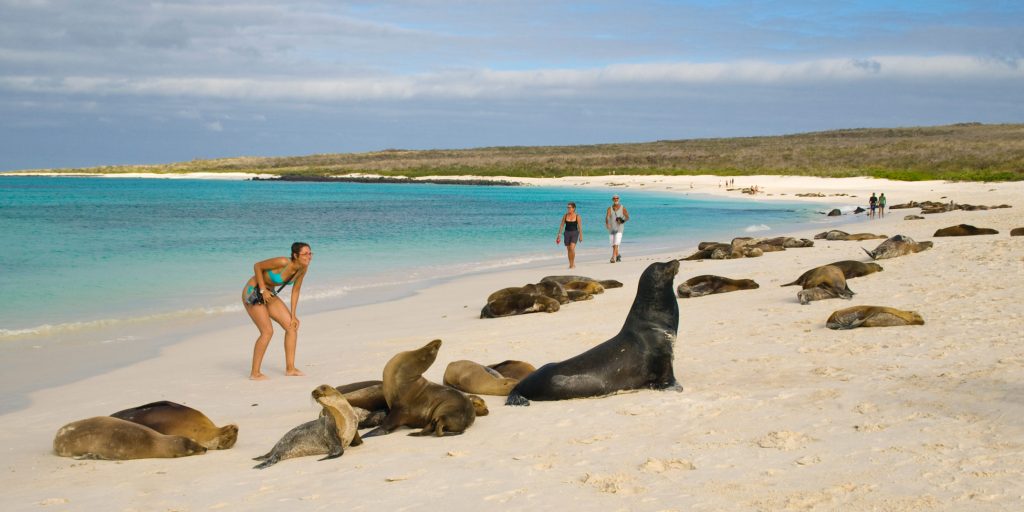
<point>850,268</point>
<point>708,284</point>
<point>872,316</point>
<point>638,357</point>
<point>1017,232</point>
<point>824,282</point>
<point>174,419</point>
<point>965,230</point>
<point>413,401</point>
<point>329,434</point>
<point>896,246</point>
<point>513,369</point>
<point>519,304</point>
<point>108,438</point>
<point>472,377</point>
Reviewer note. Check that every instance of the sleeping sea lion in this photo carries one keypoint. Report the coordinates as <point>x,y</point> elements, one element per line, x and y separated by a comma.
<point>708,284</point>
<point>108,438</point>
<point>1017,232</point>
<point>519,304</point>
<point>965,230</point>
<point>513,369</point>
<point>330,434</point>
<point>639,356</point>
<point>896,246</point>
<point>472,377</point>
<point>872,316</point>
<point>850,268</point>
<point>174,419</point>
<point>828,278</point>
<point>413,401</point>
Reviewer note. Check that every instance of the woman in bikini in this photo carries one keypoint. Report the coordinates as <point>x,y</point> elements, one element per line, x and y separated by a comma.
<point>573,232</point>
<point>268,274</point>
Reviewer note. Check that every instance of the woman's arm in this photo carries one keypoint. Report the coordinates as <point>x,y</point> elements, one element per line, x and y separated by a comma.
<point>558,236</point>
<point>579,226</point>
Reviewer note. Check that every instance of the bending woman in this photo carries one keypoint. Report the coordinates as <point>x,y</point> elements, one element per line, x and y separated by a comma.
<point>262,304</point>
<point>573,232</point>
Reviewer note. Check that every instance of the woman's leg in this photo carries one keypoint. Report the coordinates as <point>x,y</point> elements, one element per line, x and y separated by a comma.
<point>261,318</point>
<point>571,248</point>
<point>279,312</point>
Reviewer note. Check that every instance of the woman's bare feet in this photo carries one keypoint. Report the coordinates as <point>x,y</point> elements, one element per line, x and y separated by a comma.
<point>258,376</point>
<point>294,372</point>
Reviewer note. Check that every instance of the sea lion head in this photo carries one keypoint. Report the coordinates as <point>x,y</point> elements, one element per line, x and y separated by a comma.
<point>875,267</point>
<point>325,392</point>
<point>479,405</point>
<point>656,298</point>
<point>411,364</point>
<point>227,436</point>
<point>183,446</point>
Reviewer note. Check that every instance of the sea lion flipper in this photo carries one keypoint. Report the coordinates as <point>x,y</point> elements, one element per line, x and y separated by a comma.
<point>267,463</point>
<point>335,454</point>
<point>869,253</point>
<point>379,431</point>
<point>263,457</point>
<point>356,440</point>
<point>514,398</point>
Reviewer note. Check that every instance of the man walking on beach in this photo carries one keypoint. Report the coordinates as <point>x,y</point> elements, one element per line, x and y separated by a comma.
<point>614,219</point>
<point>872,204</point>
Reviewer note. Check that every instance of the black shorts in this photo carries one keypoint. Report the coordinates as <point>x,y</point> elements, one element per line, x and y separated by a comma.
<point>571,237</point>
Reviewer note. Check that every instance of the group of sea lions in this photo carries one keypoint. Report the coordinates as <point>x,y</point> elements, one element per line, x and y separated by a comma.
<point>836,234</point>
<point>746,247</point>
<point>546,296</point>
<point>928,207</point>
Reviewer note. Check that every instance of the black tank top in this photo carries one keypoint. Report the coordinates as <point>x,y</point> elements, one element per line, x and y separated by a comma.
<point>572,225</point>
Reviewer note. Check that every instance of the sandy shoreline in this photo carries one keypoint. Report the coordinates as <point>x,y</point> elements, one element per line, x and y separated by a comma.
<point>778,412</point>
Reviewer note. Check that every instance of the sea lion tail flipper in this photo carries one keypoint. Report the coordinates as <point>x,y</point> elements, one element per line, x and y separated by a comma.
<point>267,463</point>
<point>335,454</point>
<point>264,456</point>
<point>794,283</point>
<point>514,398</point>
<point>869,253</point>
<point>356,440</point>
<point>379,431</point>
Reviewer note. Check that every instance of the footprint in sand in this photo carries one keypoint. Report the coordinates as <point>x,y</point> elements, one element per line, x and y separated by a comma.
<point>619,483</point>
<point>654,465</point>
<point>784,440</point>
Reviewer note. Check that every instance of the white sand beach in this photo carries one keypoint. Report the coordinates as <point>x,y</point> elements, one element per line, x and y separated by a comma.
<point>777,413</point>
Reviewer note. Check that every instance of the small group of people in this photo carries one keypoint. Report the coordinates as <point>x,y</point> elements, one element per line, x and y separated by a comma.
<point>264,306</point>
<point>876,203</point>
<point>571,229</point>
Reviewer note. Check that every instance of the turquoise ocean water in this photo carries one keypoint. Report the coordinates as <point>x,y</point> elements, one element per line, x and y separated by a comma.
<point>82,254</point>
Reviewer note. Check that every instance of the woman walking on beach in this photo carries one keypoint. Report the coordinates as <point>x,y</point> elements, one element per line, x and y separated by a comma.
<point>262,304</point>
<point>881,205</point>
<point>573,232</point>
<point>614,220</point>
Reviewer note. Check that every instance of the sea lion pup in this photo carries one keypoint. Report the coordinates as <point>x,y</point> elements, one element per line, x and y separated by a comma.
<point>108,438</point>
<point>413,401</point>
<point>329,434</point>
<point>850,268</point>
<point>828,278</point>
<point>638,357</point>
<point>708,284</point>
<point>174,419</point>
<point>965,230</point>
<point>1017,232</point>
<point>367,399</point>
<point>872,316</point>
<point>896,246</point>
<point>472,377</point>
<point>513,369</point>
<point>519,304</point>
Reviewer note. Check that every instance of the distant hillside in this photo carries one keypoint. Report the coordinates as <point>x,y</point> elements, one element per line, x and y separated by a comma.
<point>965,152</point>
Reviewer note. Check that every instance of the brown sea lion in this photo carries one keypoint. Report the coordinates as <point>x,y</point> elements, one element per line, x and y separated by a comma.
<point>896,246</point>
<point>109,438</point>
<point>829,278</point>
<point>913,217</point>
<point>589,287</point>
<point>709,284</point>
<point>1017,232</point>
<point>174,419</point>
<point>578,295</point>
<point>513,369</point>
<point>965,230</point>
<point>850,268</point>
<point>787,242</point>
<point>367,394</point>
<point>836,234</point>
<point>872,316</point>
<point>813,294</point>
<point>330,434</point>
<point>519,304</point>
<point>413,401</point>
<point>472,377</point>
<point>609,283</point>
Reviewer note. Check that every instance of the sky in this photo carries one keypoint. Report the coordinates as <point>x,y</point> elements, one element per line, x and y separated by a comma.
<point>104,82</point>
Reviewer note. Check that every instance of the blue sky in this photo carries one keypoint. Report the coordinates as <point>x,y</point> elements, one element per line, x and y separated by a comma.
<point>94,82</point>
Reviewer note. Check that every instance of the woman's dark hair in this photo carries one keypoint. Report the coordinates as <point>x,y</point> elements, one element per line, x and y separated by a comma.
<point>572,204</point>
<point>297,247</point>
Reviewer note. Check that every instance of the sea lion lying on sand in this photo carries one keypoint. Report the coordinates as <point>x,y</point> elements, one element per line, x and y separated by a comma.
<point>896,246</point>
<point>605,283</point>
<point>638,357</point>
<point>330,434</point>
<point>471,377</point>
<point>965,230</point>
<point>174,419</point>
<point>1017,232</point>
<point>513,369</point>
<point>709,284</point>
<point>519,304</point>
<point>108,438</point>
<point>824,282</point>
<point>872,316</point>
<point>836,234</point>
<point>850,268</point>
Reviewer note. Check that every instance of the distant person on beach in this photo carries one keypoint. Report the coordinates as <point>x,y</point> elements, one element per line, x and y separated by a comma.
<point>573,232</point>
<point>614,220</point>
<point>872,204</point>
<point>262,304</point>
<point>881,205</point>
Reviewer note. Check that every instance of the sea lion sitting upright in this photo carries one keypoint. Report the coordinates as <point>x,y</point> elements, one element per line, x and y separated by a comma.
<point>639,356</point>
<point>965,230</point>
<point>107,438</point>
<point>708,284</point>
<point>329,434</point>
<point>513,369</point>
<point>413,401</point>
<point>896,246</point>
<point>825,282</point>
<point>472,377</point>
<point>872,316</point>
<point>174,419</point>
<point>850,268</point>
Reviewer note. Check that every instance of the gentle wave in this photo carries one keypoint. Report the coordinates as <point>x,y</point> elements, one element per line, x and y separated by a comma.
<point>757,227</point>
<point>51,330</point>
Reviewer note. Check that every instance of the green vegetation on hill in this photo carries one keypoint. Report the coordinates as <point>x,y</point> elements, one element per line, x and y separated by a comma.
<point>962,152</point>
